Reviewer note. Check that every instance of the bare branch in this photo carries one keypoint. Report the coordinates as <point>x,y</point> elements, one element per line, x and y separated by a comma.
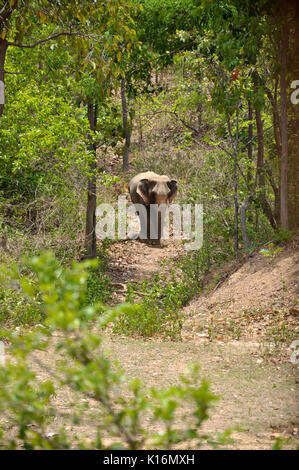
<point>49,38</point>
<point>13,73</point>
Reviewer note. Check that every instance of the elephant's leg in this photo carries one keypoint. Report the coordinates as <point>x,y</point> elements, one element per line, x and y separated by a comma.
<point>157,241</point>
<point>155,226</point>
<point>142,214</point>
<point>148,225</point>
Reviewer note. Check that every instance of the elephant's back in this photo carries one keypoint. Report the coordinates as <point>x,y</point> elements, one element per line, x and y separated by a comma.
<point>150,175</point>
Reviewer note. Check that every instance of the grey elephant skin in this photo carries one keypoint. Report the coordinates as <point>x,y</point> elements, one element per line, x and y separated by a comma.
<point>150,193</point>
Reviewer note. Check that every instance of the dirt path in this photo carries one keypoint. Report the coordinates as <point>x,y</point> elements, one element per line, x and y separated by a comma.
<point>135,262</point>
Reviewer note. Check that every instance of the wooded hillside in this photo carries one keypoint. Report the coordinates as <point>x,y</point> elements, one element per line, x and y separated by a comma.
<point>93,93</point>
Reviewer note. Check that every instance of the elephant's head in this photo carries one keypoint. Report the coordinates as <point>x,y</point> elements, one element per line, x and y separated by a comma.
<point>157,191</point>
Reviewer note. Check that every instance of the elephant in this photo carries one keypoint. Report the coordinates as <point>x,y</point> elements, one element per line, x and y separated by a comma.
<point>150,193</point>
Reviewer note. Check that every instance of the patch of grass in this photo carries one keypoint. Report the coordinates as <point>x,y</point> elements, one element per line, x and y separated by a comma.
<point>280,333</point>
<point>273,325</point>
<point>98,283</point>
<point>159,310</point>
<point>17,309</point>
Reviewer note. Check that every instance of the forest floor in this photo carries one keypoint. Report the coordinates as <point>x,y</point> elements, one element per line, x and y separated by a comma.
<point>233,330</point>
<point>239,331</point>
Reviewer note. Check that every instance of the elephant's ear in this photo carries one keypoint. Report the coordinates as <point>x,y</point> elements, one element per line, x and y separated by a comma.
<point>173,186</point>
<point>142,190</point>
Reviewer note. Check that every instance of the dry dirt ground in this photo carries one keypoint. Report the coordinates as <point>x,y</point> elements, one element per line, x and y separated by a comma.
<point>240,335</point>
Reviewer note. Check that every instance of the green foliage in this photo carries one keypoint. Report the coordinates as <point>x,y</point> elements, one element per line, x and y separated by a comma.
<point>27,306</point>
<point>271,251</point>
<point>16,308</point>
<point>282,236</point>
<point>73,335</point>
<point>278,444</point>
<point>49,132</point>
<point>98,282</point>
<point>159,22</point>
<point>42,138</point>
<point>159,312</point>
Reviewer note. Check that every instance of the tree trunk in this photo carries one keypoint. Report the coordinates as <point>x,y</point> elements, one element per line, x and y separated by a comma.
<point>90,231</point>
<point>199,119</point>
<point>277,138</point>
<point>284,129</point>
<point>249,145</point>
<point>260,169</point>
<point>275,114</point>
<point>260,150</point>
<point>276,195</point>
<point>140,131</point>
<point>199,106</point>
<point>234,144</point>
<point>126,127</point>
<point>236,202</point>
<point>293,118</point>
<point>243,210</point>
<point>3,49</point>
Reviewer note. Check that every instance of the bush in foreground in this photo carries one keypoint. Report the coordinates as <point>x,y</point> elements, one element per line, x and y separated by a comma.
<point>65,357</point>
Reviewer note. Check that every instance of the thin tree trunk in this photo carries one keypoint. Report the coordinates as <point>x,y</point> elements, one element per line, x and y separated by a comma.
<point>90,232</point>
<point>276,195</point>
<point>250,185</point>
<point>249,145</point>
<point>284,130</point>
<point>260,150</point>
<point>126,127</point>
<point>236,231</point>
<point>277,138</point>
<point>243,210</point>
<point>199,119</point>
<point>3,49</point>
<point>275,114</point>
<point>140,127</point>
<point>199,106</point>
<point>293,122</point>
<point>236,196</point>
<point>140,131</point>
<point>260,169</point>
